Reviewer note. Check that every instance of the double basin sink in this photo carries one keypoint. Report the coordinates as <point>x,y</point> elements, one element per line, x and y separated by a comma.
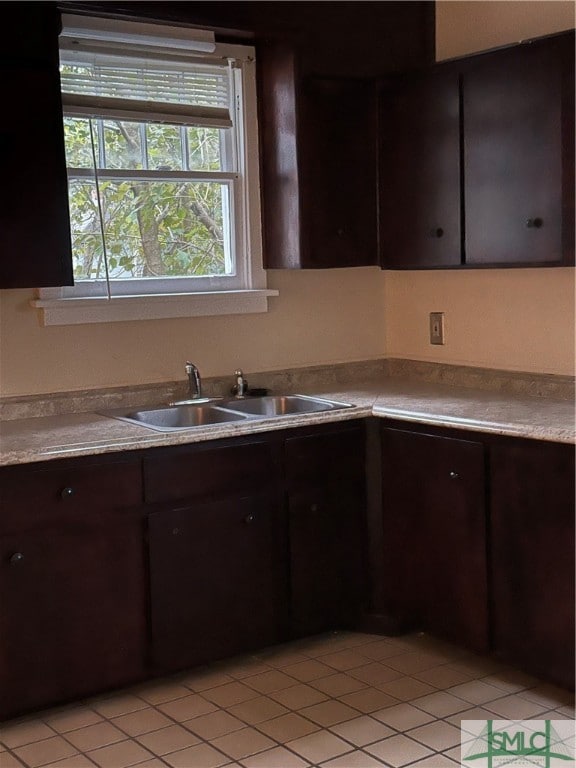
<point>217,411</point>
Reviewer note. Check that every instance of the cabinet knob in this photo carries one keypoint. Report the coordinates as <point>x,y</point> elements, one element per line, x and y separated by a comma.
<point>249,518</point>
<point>313,507</point>
<point>67,493</point>
<point>454,475</point>
<point>535,223</point>
<point>339,232</point>
<point>16,558</point>
<point>438,232</point>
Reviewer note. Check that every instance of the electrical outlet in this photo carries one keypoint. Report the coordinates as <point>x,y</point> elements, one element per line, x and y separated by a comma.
<point>436,327</point>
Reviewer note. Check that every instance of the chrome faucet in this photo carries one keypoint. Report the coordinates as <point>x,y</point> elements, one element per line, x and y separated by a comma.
<point>194,387</point>
<point>194,381</point>
<point>240,388</point>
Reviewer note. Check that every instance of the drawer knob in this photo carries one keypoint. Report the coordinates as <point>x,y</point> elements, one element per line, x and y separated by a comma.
<point>535,223</point>
<point>249,518</point>
<point>67,493</point>
<point>454,476</point>
<point>313,507</point>
<point>16,558</point>
<point>438,232</point>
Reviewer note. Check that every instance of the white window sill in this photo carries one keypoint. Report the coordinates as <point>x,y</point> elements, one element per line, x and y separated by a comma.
<point>78,311</point>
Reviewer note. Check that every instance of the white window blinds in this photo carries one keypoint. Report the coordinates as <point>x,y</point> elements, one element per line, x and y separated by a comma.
<point>101,81</point>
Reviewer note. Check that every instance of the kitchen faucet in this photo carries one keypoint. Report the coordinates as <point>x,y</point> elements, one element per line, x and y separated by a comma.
<point>194,386</point>
<point>194,381</point>
<point>240,388</point>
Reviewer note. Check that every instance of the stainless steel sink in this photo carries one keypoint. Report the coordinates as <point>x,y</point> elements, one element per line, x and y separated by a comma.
<point>282,405</point>
<point>187,416</point>
<point>177,417</point>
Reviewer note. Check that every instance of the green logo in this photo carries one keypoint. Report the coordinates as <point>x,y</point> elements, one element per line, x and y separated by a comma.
<point>538,743</point>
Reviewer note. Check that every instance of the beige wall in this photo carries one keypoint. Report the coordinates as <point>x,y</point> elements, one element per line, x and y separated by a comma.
<point>519,320</point>
<point>476,25</point>
<point>510,319</point>
<point>319,317</point>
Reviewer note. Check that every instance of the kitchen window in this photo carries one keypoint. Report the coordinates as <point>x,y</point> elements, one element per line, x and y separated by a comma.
<point>162,157</point>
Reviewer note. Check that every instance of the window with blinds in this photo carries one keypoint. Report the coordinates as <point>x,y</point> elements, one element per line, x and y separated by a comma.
<point>159,137</point>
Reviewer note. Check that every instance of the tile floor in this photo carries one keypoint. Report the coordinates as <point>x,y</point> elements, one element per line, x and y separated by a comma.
<point>343,700</point>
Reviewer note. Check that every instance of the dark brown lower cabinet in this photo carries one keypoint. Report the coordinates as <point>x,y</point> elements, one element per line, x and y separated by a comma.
<point>73,591</point>
<point>217,582</point>
<point>532,545</point>
<point>325,477</point>
<point>327,560</point>
<point>479,545</point>
<point>434,534</point>
<point>255,540</point>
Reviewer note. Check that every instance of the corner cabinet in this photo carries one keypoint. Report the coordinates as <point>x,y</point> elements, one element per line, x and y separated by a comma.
<point>477,165</point>
<point>34,221</point>
<point>326,494</point>
<point>478,544</point>
<point>319,165</point>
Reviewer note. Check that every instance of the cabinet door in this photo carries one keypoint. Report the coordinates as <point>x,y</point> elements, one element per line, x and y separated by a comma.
<point>326,485</point>
<point>338,139</point>
<point>73,609</point>
<point>518,113</point>
<point>420,172</point>
<point>434,535</point>
<point>34,221</point>
<point>532,542</point>
<point>216,571</point>
<point>327,557</point>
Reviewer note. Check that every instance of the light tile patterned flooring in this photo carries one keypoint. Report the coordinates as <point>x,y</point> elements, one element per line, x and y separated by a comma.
<point>342,700</point>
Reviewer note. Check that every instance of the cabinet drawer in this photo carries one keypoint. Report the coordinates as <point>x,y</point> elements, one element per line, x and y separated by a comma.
<point>200,472</point>
<point>319,457</point>
<point>32,497</point>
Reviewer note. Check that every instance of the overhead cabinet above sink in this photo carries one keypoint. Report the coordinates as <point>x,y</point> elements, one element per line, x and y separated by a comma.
<point>478,160</point>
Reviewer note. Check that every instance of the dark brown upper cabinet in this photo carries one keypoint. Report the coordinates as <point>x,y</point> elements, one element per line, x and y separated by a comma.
<point>477,161</point>
<point>319,166</point>
<point>34,219</point>
<point>420,174</point>
<point>519,155</point>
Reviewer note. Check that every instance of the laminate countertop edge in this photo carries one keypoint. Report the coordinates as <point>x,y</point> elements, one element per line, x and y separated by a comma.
<point>24,441</point>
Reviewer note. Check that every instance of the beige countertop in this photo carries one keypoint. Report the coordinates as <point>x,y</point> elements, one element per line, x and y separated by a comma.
<point>81,434</point>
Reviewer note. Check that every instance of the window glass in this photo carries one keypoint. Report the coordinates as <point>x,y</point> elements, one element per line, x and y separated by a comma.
<point>78,143</point>
<point>161,141</point>
<point>152,229</point>
<point>122,143</point>
<point>164,147</point>
<point>162,159</point>
<point>204,148</point>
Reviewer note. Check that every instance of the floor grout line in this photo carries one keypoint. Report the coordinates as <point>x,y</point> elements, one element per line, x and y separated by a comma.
<point>320,646</point>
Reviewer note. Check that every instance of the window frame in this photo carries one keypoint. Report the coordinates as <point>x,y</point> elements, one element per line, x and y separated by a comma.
<point>188,296</point>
